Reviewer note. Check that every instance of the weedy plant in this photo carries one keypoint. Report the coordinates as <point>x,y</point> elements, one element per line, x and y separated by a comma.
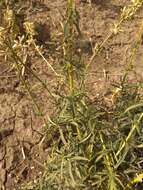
<point>96,147</point>
<point>16,43</point>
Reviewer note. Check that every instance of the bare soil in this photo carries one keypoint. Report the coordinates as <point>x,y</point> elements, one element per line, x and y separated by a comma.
<point>23,145</point>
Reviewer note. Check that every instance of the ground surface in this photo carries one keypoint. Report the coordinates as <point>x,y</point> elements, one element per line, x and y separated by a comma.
<point>23,147</point>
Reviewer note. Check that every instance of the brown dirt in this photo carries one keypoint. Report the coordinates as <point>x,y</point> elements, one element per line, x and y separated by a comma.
<point>22,144</point>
